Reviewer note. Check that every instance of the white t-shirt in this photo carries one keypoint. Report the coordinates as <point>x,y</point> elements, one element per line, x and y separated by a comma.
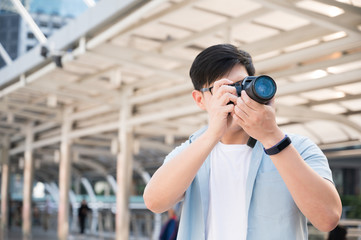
<point>227,217</point>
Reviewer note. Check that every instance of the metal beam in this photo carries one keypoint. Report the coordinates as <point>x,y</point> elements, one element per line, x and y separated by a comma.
<point>124,23</point>
<point>285,39</point>
<point>30,21</point>
<point>4,54</point>
<point>194,37</point>
<point>86,24</point>
<point>299,113</point>
<point>325,82</point>
<point>296,57</point>
<point>344,59</point>
<point>108,52</point>
<point>319,19</point>
<point>348,8</point>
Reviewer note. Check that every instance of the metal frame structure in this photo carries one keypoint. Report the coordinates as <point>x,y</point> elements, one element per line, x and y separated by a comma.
<point>123,93</point>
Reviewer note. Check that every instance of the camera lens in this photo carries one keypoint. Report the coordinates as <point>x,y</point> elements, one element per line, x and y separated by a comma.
<point>264,87</point>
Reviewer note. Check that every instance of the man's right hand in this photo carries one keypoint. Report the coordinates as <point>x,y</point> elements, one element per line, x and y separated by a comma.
<point>218,108</point>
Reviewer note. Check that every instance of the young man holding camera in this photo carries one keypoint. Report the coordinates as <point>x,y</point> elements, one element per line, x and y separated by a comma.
<point>235,190</point>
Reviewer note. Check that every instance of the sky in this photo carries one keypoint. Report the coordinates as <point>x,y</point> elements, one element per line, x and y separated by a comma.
<point>61,7</point>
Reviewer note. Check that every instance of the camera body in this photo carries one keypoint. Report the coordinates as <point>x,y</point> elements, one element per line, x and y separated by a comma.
<point>260,88</point>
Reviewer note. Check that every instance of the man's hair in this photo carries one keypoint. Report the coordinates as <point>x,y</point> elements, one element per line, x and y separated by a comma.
<point>217,61</point>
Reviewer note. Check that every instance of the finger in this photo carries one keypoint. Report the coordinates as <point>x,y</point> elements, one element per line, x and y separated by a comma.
<point>217,84</point>
<point>238,119</point>
<point>249,101</point>
<point>244,107</point>
<point>228,97</point>
<point>241,113</point>
<point>225,89</point>
<point>229,108</point>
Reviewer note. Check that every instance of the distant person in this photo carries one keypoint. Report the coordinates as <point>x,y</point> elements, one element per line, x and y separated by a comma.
<point>339,233</point>
<point>11,213</point>
<point>170,228</point>
<point>18,214</point>
<point>47,214</point>
<point>82,214</point>
<point>36,216</point>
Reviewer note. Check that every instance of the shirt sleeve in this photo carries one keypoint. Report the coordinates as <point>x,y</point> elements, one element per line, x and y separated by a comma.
<point>315,158</point>
<point>176,151</point>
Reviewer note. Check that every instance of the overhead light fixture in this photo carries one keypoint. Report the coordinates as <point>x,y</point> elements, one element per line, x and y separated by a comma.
<point>319,73</point>
<point>334,36</point>
<point>344,67</point>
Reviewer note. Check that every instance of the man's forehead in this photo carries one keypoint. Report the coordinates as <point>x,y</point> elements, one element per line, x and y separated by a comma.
<point>238,72</point>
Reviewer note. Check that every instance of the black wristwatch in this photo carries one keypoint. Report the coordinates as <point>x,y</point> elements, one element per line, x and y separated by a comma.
<point>278,147</point>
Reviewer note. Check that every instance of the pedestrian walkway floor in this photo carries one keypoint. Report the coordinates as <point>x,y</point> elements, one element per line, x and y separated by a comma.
<point>38,233</point>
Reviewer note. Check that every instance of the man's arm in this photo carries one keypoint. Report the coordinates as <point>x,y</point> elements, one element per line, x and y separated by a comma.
<point>315,196</point>
<point>169,183</point>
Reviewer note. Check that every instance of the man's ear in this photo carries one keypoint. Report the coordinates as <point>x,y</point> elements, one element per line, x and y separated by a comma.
<point>199,99</point>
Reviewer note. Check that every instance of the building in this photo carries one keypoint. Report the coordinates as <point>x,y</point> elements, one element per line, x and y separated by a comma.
<point>15,34</point>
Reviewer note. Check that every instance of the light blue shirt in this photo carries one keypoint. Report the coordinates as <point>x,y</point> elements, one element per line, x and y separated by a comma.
<point>272,213</point>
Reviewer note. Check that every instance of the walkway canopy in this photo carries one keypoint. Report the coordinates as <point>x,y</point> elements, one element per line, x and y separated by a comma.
<point>123,76</point>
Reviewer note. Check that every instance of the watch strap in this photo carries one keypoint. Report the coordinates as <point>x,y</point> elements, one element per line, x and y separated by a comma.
<point>279,146</point>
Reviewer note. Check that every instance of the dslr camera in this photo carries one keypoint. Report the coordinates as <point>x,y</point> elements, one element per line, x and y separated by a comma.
<point>260,88</point>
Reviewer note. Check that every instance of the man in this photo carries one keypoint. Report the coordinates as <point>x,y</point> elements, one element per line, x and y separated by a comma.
<point>170,228</point>
<point>82,214</point>
<point>232,190</point>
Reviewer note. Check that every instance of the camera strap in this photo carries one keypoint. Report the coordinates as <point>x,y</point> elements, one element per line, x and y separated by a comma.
<point>251,142</point>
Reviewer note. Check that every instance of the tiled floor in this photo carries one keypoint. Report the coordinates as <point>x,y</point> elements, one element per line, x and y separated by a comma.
<point>39,234</point>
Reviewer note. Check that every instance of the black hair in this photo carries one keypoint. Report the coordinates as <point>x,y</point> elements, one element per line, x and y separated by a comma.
<point>216,61</point>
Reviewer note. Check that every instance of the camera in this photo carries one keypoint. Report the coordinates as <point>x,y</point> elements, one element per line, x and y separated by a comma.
<point>260,88</point>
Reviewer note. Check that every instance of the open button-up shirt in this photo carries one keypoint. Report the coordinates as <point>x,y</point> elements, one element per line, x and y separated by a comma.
<point>272,212</point>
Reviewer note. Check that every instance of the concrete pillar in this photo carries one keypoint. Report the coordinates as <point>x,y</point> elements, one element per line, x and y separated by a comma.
<point>5,174</point>
<point>64,176</point>
<point>124,168</point>
<point>28,181</point>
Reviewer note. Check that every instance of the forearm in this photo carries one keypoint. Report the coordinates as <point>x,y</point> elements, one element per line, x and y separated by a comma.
<point>315,196</point>
<point>169,183</point>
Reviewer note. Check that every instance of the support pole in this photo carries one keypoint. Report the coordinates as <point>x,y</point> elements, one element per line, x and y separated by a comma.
<point>30,21</point>
<point>5,174</point>
<point>124,168</point>
<point>64,176</point>
<point>4,54</point>
<point>28,181</point>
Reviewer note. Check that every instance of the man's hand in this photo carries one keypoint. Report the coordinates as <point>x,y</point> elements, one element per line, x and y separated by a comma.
<point>257,120</point>
<point>218,107</point>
